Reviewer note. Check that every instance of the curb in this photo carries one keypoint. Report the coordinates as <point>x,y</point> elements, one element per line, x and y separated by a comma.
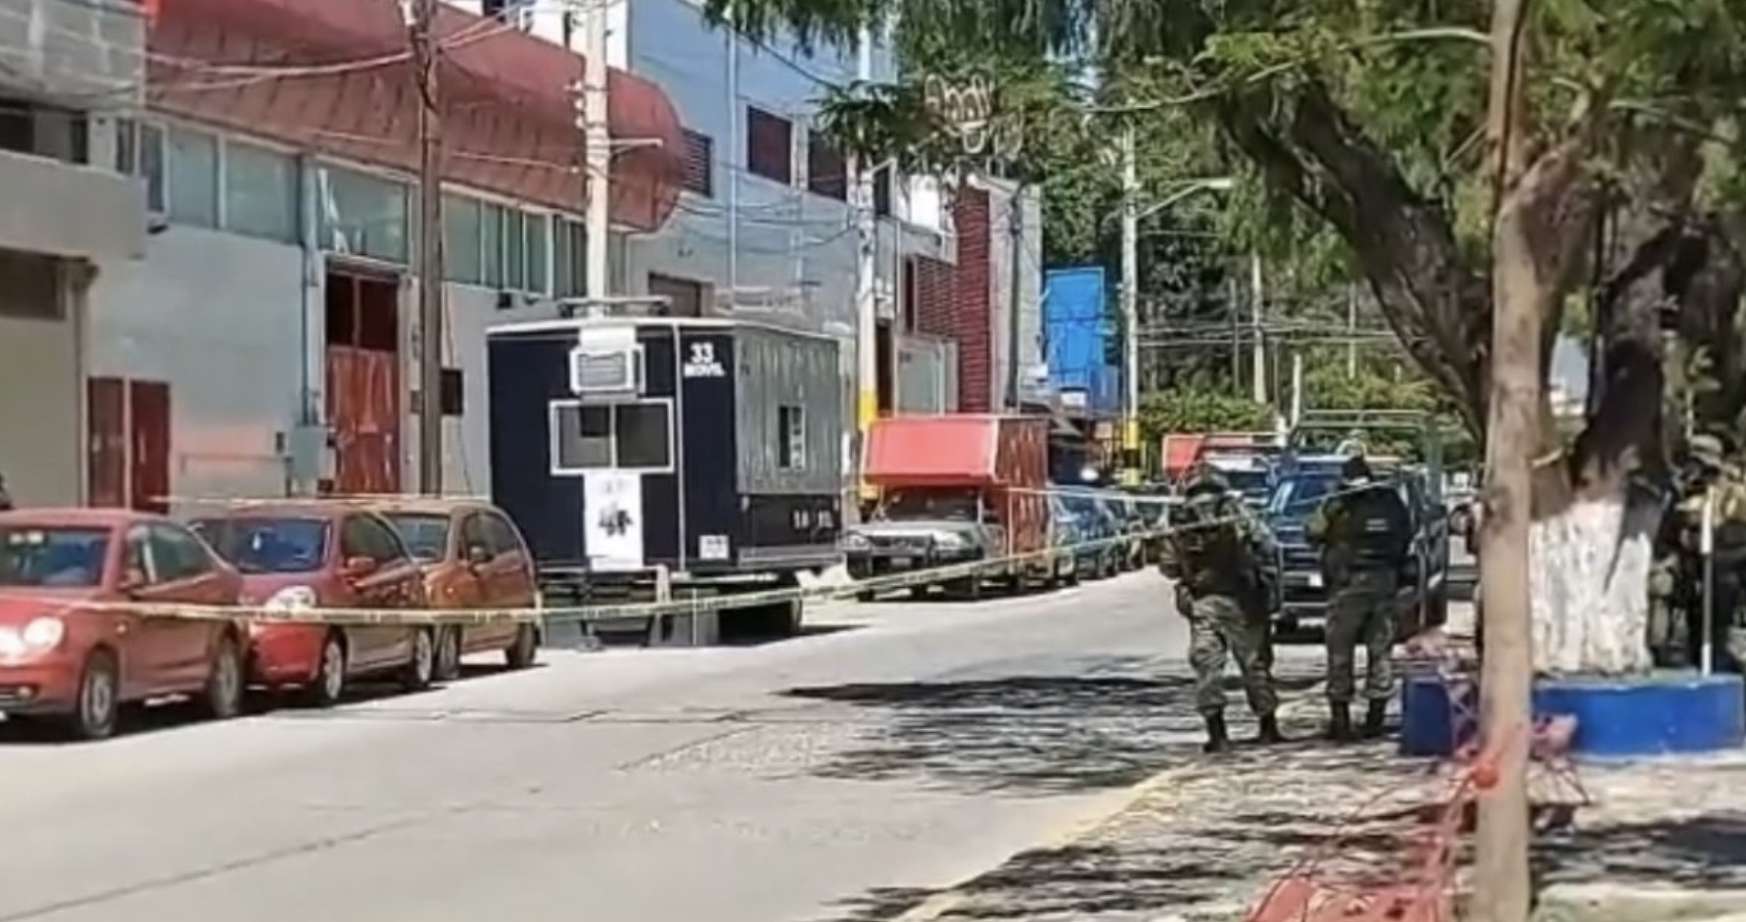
<point>1105,808</point>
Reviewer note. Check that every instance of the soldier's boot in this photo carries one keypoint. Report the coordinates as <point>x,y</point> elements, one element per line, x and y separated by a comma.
<point>1270,730</point>
<point>1216,738</point>
<point>1375,719</point>
<point>1340,722</point>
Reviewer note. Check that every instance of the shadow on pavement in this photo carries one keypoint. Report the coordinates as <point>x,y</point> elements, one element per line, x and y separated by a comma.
<point>1705,851</point>
<point>1022,735</point>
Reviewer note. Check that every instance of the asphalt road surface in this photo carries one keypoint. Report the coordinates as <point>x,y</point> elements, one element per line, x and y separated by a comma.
<point>894,749</point>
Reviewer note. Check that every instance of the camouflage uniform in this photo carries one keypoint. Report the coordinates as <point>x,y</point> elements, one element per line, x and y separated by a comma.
<point>1677,582</point>
<point>1219,590</point>
<point>1363,605</point>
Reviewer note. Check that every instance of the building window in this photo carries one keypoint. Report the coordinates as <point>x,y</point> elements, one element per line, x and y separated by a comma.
<point>29,287</point>
<point>882,192</point>
<point>514,239</point>
<point>826,172</point>
<point>491,244</point>
<point>791,438</point>
<point>452,391</point>
<point>461,261</point>
<point>536,252</point>
<point>151,166</point>
<point>44,131</point>
<point>699,163</point>
<point>632,436</point>
<point>193,178</point>
<point>769,145</point>
<point>361,214</point>
<point>260,192</point>
<point>569,258</point>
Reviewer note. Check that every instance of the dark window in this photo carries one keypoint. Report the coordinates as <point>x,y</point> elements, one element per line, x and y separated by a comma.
<point>685,298</point>
<point>29,286</point>
<point>44,131</point>
<point>426,536</point>
<point>503,538</point>
<point>569,258</point>
<point>475,533</point>
<point>641,431</point>
<point>494,7</point>
<point>769,145</point>
<point>365,536</point>
<point>178,555</point>
<point>453,389</point>
<point>583,437</point>
<point>267,545</point>
<point>882,192</point>
<point>52,557</point>
<point>791,438</point>
<point>699,163</point>
<point>826,172</point>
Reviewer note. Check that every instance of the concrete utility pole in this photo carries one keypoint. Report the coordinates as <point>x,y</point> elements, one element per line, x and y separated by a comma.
<point>1015,218</point>
<point>1258,349</point>
<point>597,134</point>
<point>1130,292</point>
<point>1352,330</point>
<point>866,248</point>
<point>420,18</point>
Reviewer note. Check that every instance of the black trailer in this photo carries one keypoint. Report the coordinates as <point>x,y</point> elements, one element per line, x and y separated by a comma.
<point>707,449</point>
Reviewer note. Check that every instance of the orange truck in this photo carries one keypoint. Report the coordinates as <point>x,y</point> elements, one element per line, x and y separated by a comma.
<point>955,489</point>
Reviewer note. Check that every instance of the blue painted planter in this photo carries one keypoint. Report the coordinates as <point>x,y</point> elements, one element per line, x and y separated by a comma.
<point>1664,713</point>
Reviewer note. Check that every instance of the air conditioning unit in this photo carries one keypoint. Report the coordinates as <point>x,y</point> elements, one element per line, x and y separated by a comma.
<point>606,372</point>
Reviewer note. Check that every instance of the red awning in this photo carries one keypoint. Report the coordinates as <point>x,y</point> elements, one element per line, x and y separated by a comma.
<point>932,450</point>
<point>332,78</point>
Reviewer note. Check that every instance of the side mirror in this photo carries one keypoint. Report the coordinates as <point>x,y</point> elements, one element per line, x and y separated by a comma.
<point>478,555</point>
<point>359,567</point>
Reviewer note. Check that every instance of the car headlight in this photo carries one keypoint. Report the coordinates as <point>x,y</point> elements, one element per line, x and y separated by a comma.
<point>291,598</point>
<point>44,633</point>
<point>10,643</point>
<point>950,541</point>
<point>856,542</point>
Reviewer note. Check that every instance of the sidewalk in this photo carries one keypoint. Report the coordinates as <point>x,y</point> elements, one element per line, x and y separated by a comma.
<point>1205,839</point>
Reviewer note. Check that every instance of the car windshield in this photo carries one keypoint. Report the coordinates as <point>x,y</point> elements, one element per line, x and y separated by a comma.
<point>268,545</point>
<point>426,535</point>
<point>1251,482</point>
<point>1299,496</point>
<point>52,558</point>
<point>955,505</point>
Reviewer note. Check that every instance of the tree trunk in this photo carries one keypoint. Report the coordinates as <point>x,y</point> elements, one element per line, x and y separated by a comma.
<point>1520,292</point>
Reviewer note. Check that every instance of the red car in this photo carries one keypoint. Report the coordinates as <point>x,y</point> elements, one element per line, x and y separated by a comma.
<point>473,557</point>
<point>63,656</point>
<point>323,554</point>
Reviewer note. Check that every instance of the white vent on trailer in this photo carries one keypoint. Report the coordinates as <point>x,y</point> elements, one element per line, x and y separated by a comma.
<point>605,372</point>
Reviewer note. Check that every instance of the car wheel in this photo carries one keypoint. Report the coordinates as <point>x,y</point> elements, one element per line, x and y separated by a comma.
<point>330,673</point>
<point>448,654</point>
<point>520,654</point>
<point>416,674</point>
<point>224,681</point>
<point>969,588</point>
<point>864,596</point>
<point>99,705</point>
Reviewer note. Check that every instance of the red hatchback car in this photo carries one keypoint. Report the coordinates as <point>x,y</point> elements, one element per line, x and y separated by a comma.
<point>65,655</point>
<point>315,554</point>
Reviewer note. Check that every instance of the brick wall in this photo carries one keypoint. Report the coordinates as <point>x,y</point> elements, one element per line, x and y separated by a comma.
<point>971,320</point>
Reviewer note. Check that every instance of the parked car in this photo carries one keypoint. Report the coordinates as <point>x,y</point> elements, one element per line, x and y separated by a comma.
<point>324,554</point>
<point>473,557</point>
<point>1068,530</point>
<point>66,655</point>
<point>1098,523</point>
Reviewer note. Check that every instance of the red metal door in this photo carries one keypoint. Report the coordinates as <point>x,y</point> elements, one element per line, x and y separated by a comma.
<point>106,442</point>
<point>362,407</point>
<point>149,406</point>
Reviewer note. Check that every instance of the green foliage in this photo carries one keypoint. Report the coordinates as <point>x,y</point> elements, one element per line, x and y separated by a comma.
<point>1197,407</point>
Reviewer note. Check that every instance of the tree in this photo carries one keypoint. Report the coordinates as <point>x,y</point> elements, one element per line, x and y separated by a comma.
<point>1476,160</point>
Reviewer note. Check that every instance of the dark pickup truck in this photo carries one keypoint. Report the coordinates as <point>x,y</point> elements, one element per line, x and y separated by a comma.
<point>1304,597</point>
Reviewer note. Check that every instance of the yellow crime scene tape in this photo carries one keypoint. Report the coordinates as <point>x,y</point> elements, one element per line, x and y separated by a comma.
<point>587,614</point>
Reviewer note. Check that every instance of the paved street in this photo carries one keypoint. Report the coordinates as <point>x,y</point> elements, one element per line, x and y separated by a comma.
<point>897,748</point>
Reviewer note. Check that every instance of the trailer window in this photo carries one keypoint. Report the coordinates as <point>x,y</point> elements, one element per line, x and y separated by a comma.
<point>791,439</point>
<point>634,436</point>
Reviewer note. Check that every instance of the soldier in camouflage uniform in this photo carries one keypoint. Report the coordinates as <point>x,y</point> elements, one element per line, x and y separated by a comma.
<point>1213,552</point>
<point>1365,533</point>
<point>1676,585</point>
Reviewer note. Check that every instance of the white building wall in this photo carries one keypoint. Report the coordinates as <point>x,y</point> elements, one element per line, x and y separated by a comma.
<point>218,317</point>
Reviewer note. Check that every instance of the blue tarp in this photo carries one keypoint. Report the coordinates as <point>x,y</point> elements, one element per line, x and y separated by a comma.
<point>1077,328</point>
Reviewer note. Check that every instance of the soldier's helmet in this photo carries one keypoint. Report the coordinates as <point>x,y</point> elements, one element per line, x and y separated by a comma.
<point>1355,469</point>
<point>1706,451</point>
<point>1205,493</point>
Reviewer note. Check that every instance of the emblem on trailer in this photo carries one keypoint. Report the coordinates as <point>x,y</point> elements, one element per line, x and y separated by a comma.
<point>702,363</point>
<point>615,521</point>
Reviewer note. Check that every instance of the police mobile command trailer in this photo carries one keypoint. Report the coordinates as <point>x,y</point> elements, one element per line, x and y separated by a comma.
<point>709,448</point>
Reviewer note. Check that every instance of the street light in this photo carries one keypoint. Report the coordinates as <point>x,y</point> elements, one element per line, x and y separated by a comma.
<point>1131,215</point>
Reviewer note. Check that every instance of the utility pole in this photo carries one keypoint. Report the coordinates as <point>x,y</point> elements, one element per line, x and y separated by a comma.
<point>597,135</point>
<point>1236,335</point>
<point>1352,330</point>
<point>420,18</point>
<point>1258,349</point>
<point>1130,294</point>
<point>1015,218</point>
<point>866,249</point>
